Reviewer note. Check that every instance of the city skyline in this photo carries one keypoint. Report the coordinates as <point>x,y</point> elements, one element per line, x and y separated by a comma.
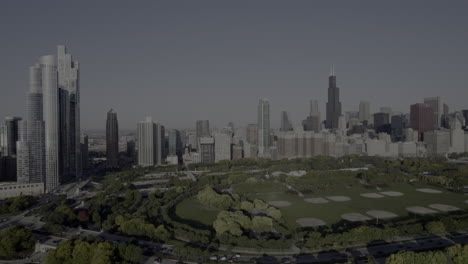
<point>282,53</point>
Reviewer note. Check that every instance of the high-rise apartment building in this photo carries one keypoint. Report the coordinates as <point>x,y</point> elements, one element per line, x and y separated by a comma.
<point>49,145</point>
<point>312,122</point>
<point>252,134</point>
<point>333,104</point>
<point>364,112</point>
<point>422,118</point>
<point>285,122</point>
<point>263,125</point>
<point>207,150</point>
<point>438,106</point>
<point>112,139</point>
<point>149,143</point>
<point>11,135</point>
<point>223,146</point>
<point>203,128</point>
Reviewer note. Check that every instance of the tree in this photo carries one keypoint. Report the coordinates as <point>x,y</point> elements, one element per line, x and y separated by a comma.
<point>435,227</point>
<point>261,224</point>
<point>15,241</point>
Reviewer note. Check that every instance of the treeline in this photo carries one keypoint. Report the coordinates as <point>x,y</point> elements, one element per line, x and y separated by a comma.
<point>16,242</point>
<point>17,204</point>
<point>82,251</point>
<point>456,254</point>
<point>367,234</point>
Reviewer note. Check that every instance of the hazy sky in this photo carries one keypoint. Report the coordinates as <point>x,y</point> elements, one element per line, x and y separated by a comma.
<point>179,61</point>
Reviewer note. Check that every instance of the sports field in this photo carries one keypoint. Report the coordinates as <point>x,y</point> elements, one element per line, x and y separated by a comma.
<point>332,206</point>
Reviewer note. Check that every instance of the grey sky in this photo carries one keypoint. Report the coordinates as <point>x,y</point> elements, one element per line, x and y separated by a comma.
<point>179,61</point>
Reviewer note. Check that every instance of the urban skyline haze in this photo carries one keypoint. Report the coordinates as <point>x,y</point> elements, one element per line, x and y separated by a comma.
<point>182,61</point>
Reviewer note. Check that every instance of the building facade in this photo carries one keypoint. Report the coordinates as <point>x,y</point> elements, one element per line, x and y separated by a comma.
<point>112,139</point>
<point>333,104</point>
<point>263,126</point>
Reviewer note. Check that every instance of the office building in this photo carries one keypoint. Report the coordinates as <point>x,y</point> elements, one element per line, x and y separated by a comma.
<point>84,152</point>
<point>223,146</point>
<point>333,104</point>
<point>398,124</point>
<point>11,135</point>
<point>422,118</point>
<point>437,142</point>
<point>312,122</point>
<point>207,150</point>
<point>438,106</point>
<point>149,137</point>
<point>252,134</point>
<point>364,112</point>
<point>175,147</point>
<point>112,139</point>
<point>285,122</point>
<point>382,123</point>
<point>202,128</point>
<point>263,126</point>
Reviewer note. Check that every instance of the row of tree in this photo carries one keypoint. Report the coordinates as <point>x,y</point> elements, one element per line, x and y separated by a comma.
<point>456,254</point>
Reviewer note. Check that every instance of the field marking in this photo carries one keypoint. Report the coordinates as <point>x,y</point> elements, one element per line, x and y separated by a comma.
<point>444,207</point>
<point>310,222</point>
<point>318,200</point>
<point>392,193</point>
<point>427,190</point>
<point>381,214</point>
<point>372,195</point>
<point>338,198</point>
<point>279,203</point>
<point>355,217</point>
<point>420,210</point>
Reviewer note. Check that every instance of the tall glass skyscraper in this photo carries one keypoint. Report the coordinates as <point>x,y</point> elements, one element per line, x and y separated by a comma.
<point>112,139</point>
<point>49,145</point>
<point>263,128</point>
<point>333,104</point>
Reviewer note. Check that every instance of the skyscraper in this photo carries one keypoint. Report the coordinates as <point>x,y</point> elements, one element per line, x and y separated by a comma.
<point>84,152</point>
<point>147,142</point>
<point>422,118</point>
<point>11,135</point>
<point>150,143</point>
<point>312,122</point>
<point>50,140</point>
<point>438,106</point>
<point>69,80</point>
<point>364,111</point>
<point>285,122</point>
<point>203,128</point>
<point>333,104</point>
<point>382,123</point>
<point>252,134</point>
<point>112,139</point>
<point>263,128</point>
<point>223,146</point>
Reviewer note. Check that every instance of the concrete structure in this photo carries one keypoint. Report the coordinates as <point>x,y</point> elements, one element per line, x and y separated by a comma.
<point>223,146</point>
<point>11,135</point>
<point>207,150</point>
<point>285,122</point>
<point>457,138</point>
<point>437,141</point>
<point>252,134</point>
<point>149,137</point>
<point>84,152</point>
<point>202,128</point>
<point>263,125</point>
<point>382,123</point>
<point>333,104</point>
<point>364,112</point>
<point>438,106</point>
<point>312,122</point>
<point>422,118</point>
<point>112,139</point>
<point>13,189</point>
<point>50,144</point>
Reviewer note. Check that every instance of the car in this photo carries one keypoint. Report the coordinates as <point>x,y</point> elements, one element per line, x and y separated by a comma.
<point>236,256</point>
<point>223,258</point>
<point>214,258</point>
<point>285,260</point>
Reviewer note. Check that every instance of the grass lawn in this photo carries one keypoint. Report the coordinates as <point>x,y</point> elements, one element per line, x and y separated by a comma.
<point>192,209</point>
<point>331,212</point>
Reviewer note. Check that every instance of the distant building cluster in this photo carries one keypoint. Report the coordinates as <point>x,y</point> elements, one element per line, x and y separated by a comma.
<point>46,148</point>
